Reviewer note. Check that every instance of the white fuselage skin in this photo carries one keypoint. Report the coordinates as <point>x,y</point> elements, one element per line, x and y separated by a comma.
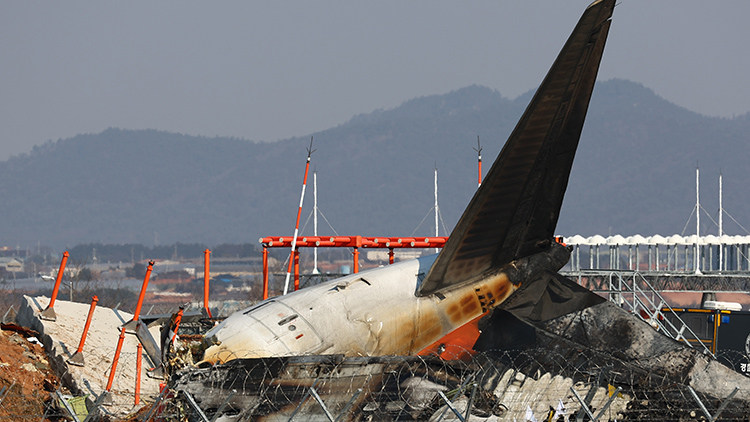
<point>372,313</point>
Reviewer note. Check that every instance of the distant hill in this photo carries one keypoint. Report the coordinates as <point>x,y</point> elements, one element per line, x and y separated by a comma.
<point>634,173</point>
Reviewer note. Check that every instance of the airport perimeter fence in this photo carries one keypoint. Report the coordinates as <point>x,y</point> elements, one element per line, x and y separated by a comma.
<point>540,385</point>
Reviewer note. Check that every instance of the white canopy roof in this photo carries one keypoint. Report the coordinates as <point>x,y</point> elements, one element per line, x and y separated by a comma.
<point>674,239</point>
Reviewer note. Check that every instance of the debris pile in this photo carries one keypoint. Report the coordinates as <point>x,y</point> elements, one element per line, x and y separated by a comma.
<point>534,384</point>
<point>26,377</point>
<point>60,340</point>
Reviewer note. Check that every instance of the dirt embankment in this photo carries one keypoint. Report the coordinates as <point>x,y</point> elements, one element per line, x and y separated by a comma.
<point>26,378</point>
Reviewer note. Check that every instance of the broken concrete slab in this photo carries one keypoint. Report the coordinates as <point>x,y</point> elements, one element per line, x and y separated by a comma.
<point>61,339</point>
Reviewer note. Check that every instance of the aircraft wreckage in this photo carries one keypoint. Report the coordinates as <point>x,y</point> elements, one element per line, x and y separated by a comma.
<point>368,346</point>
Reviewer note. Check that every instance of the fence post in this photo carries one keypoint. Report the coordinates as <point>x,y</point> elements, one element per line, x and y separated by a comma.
<point>132,325</point>
<point>585,407</point>
<point>49,313</point>
<point>94,413</point>
<point>458,393</point>
<point>158,400</point>
<point>65,404</point>
<point>195,406</point>
<point>471,402</point>
<point>138,364</point>
<point>77,358</point>
<point>349,404</point>
<point>220,410</point>
<point>206,272</point>
<point>115,360</point>
<point>723,405</point>
<point>322,405</point>
<point>451,407</point>
<point>304,399</point>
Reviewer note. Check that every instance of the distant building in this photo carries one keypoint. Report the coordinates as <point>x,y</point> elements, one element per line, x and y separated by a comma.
<point>13,265</point>
<point>238,267</point>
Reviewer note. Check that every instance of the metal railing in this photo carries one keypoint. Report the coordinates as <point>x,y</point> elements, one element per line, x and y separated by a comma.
<point>632,291</point>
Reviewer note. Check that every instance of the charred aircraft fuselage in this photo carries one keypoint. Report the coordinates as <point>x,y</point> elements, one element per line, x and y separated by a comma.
<point>372,313</point>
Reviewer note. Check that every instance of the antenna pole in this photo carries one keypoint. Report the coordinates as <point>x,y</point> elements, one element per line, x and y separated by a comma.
<point>721,226</point>
<point>299,212</point>
<point>478,149</point>
<point>697,220</point>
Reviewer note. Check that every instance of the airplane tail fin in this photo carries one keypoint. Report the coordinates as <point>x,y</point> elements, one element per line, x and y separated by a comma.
<point>515,211</point>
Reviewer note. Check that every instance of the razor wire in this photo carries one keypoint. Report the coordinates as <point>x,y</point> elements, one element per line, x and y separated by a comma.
<point>507,385</point>
<point>496,385</point>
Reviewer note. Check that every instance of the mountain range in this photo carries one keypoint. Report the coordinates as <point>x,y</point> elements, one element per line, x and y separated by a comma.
<point>634,173</point>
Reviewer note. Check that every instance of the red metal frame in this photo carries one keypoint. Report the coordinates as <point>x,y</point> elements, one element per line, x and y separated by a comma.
<point>354,242</point>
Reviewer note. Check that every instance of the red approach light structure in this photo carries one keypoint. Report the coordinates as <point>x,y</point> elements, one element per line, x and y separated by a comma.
<point>354,242</point>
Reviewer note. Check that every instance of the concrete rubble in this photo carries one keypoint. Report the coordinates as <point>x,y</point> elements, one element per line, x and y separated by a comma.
<point>62,337</point>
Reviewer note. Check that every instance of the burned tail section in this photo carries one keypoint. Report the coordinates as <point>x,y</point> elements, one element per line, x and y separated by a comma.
<point>514,213</point>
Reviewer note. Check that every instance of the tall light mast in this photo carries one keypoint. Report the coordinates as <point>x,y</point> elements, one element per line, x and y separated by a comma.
<point>697,221</point>
<point>721,226</point>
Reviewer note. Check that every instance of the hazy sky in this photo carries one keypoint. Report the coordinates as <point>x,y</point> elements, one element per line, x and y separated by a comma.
<point>269,70</point>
